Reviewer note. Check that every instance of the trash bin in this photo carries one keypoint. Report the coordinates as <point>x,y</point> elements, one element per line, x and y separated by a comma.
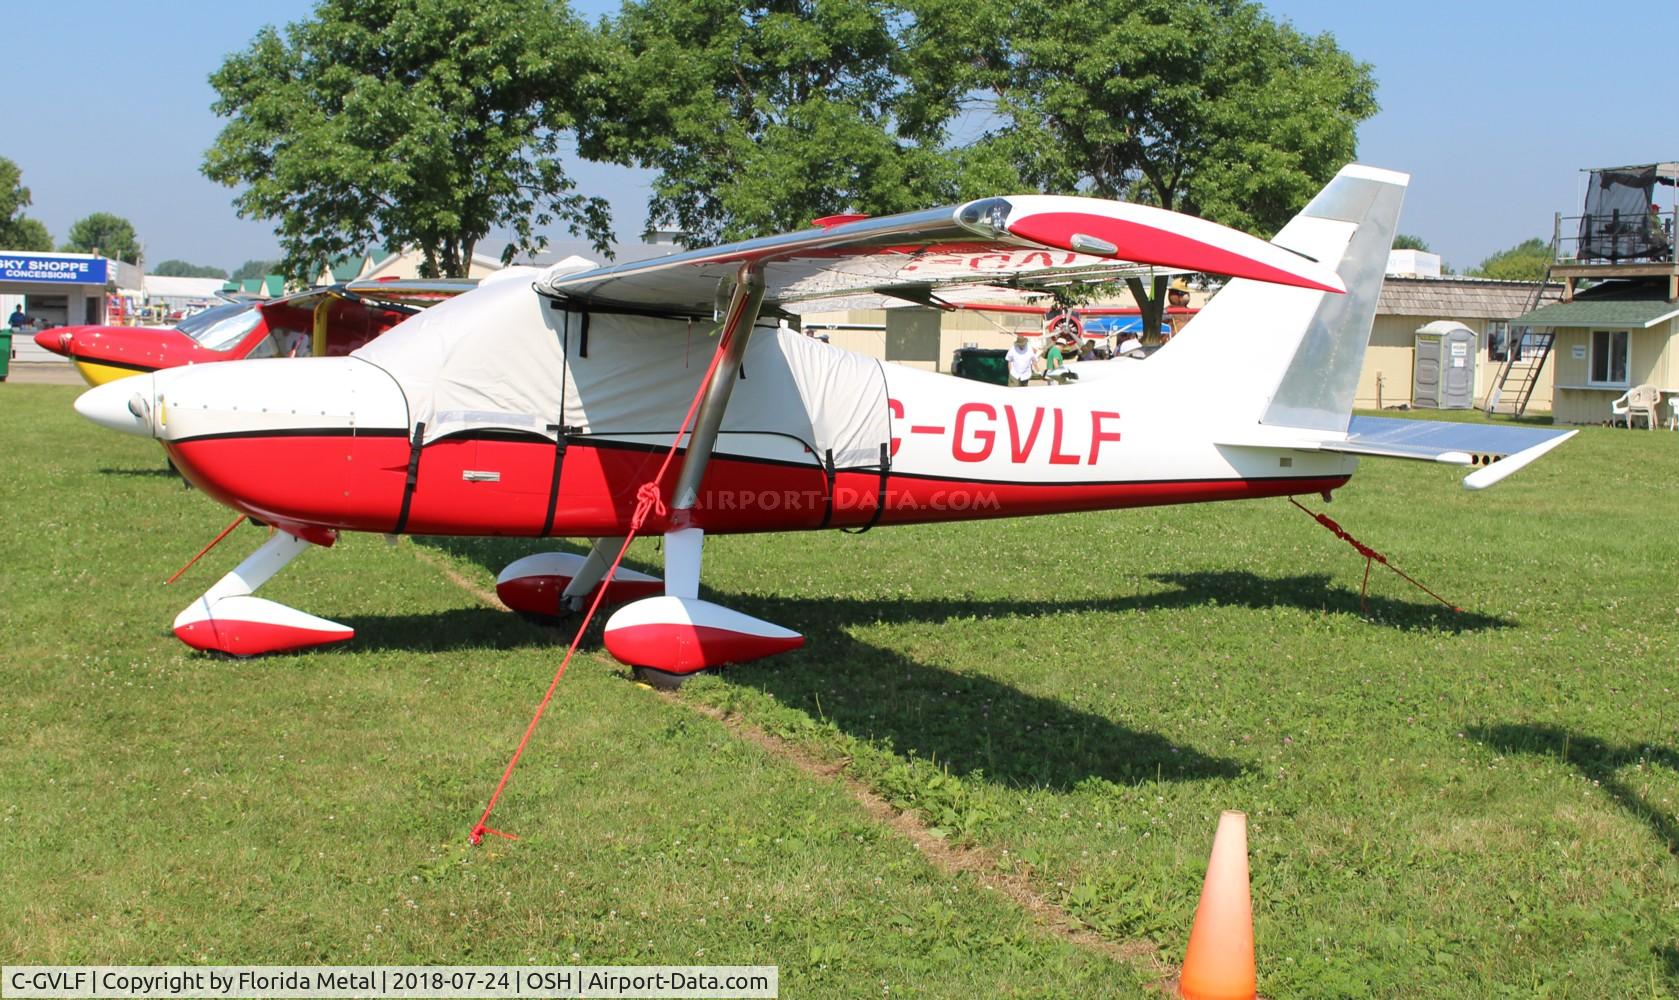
<point>982,364</point>
<point>5,352</point>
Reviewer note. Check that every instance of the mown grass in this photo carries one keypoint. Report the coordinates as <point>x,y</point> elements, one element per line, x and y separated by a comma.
<point>1474,804</point>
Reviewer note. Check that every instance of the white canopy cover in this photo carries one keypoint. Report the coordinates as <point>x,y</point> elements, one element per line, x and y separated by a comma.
<point>505,358</point>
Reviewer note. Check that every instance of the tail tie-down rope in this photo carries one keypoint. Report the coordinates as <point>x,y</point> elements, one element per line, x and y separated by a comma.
<point>647,501</point>
<point>1370,555</point>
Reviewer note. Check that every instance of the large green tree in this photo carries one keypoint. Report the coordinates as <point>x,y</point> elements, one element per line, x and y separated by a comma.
<point>1202,106</point>
<point>422,123</point>
<point>106,234</point>
<point>28,234</point>
<point>183,269</point>
<point>18,231</point>
<point>759,116</point>
<point>1528,260</point>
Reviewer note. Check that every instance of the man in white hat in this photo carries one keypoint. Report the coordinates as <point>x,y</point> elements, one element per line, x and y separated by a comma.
<point>1021,360</point>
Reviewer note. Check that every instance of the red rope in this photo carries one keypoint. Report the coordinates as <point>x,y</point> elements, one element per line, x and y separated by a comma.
<point>1370,555</point>
<point>213,543</point>
<point>647,500</point>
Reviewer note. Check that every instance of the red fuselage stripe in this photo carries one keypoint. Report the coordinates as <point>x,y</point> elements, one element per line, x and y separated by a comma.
<point>355,483</point>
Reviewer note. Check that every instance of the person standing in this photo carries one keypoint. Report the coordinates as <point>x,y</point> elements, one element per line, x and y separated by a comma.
<point>1055,364</point>
<point>1021,360</point>
<point>1177,297</point>
<point>1656,232</point>
<point>19,319</point>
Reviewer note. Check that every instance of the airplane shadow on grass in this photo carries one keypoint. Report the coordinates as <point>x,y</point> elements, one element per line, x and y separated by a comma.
<point>1306,592</point>
<point>1597,761</point>
<point>1312,592</point>
<point>434,632</point>
<point>973,725</point>
<point>475,627</point>
<point>1669,956</point>
<point>970,723</point>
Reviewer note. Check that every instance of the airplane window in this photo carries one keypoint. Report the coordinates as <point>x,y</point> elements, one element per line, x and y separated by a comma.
<point>265,348</point>
<point>222,327</point>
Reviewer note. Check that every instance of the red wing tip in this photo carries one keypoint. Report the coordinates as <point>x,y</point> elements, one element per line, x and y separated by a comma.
<point>832,221</point>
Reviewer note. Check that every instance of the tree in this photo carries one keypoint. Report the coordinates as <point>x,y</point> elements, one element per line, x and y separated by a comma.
<point>1200,106</point>
<point>256,269</point>
<point>109,235</point>
<point>1405,241</point>
<point>18,231</point>
<point>28,234</point>
<point>423,123</point>
<point>182,269</point>
<point>1528,260</point>
<point>761,115</point>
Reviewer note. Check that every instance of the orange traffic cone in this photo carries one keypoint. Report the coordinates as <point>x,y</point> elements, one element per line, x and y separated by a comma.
<point>1219,963</point>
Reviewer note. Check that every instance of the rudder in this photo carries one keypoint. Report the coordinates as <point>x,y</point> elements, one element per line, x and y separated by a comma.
<point>1318,386</point>
<point>1284,356</point>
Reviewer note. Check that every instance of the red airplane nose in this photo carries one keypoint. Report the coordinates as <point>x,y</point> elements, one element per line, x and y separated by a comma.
<point>56,341</point>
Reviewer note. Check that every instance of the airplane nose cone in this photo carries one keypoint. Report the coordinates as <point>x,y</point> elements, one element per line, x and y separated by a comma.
<point>124,405</point>
<point>56,341</point>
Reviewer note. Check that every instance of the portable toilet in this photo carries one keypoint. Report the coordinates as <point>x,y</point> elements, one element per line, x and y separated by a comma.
<point>1444,371</point>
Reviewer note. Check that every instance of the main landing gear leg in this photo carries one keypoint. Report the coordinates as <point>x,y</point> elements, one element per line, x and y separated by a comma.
<point>546,585</point>
<point>666,639</point>
<point>227,619</point>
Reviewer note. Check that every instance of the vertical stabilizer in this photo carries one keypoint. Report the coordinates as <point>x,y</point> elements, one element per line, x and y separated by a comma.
<point>1288,356</point>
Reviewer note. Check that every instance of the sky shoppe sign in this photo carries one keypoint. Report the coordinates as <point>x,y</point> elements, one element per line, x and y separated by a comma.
<point>59,269</point>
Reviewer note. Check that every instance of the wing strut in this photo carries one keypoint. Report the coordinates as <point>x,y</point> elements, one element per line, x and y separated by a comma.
<point>682,547</point>
<point>683,541</point>
<point>744,300</point>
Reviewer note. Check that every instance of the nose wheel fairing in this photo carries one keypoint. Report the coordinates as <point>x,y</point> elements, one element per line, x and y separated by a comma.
<point>228,619</point>
<point>252,626</point>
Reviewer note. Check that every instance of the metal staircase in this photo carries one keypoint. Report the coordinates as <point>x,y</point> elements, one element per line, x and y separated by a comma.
<point>1519,373</point>
<point>1524,359</point>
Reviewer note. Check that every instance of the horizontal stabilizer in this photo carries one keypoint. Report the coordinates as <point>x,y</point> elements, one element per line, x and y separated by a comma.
<point>1495,451</point>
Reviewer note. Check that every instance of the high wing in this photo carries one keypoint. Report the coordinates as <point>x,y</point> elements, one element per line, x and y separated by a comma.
<point>396,293</point>
<point>408,291</point>
<point>998,243</point>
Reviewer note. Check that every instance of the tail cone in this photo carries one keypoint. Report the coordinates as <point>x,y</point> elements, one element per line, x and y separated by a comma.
<point>1219,964</point>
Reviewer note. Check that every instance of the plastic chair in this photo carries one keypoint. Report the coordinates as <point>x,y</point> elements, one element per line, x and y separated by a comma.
<point>1673,412</point>
<point>1639,401</point>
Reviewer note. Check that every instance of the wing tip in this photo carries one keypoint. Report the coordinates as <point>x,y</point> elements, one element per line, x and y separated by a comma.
<point>1381,175</point>
<point>1502,469</point>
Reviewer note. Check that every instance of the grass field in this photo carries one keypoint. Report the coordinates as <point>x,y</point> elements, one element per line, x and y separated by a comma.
<point>1475,804</point>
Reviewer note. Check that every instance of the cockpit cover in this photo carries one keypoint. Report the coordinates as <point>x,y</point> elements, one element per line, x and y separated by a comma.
<point>505,359</point>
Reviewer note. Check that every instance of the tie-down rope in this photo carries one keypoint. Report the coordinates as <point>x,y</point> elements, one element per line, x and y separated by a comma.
<point>647,500</point>
<point>1370,555</point>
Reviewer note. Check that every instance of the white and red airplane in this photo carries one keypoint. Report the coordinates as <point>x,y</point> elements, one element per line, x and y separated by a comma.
<point>324,321</point>
<point>543,408</point>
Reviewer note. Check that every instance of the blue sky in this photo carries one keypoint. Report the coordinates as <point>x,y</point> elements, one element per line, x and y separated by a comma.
<point>1493,107</point>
